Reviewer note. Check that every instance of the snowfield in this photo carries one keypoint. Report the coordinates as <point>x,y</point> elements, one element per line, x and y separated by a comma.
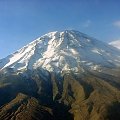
<point>63,51</point>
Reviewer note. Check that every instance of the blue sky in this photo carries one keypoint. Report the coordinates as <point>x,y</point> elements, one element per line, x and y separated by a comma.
<point>22,21</point>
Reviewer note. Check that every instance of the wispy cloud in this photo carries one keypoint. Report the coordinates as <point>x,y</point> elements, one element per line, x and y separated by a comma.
<point>115,43</point>
<point>87,23</point>
<point>117,23</point>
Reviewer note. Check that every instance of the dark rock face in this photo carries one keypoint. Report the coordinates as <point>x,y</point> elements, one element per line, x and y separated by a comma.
<point>25,108</point>
<point>34,96</point>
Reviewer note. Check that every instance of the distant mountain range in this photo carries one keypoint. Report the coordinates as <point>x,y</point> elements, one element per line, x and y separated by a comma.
<point>64,75</point>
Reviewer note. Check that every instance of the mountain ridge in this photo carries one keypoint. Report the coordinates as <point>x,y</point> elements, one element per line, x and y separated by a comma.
<point>39,82</point>
<point>55,51</point>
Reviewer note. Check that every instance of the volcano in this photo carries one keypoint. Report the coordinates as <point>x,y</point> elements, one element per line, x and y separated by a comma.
<point>61,75</point>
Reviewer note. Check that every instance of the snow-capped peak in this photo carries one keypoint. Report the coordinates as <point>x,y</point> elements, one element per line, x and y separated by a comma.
<point>62,51</point>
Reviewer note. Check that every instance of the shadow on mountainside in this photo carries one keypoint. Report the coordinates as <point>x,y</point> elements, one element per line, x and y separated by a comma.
<point>114,111</point>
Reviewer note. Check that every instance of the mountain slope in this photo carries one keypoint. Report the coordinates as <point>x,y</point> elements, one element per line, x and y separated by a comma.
<point>61,75</point>
<point>90,95</point>
<point>24,107</point>
<point>63,51</point>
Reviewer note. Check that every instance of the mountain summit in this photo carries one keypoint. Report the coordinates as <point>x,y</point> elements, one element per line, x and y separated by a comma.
<point>61,76</point>
<point>65,51</point>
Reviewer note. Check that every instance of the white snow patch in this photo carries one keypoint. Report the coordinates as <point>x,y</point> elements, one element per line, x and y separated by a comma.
<point>62,51</point>
<point>96,51</point>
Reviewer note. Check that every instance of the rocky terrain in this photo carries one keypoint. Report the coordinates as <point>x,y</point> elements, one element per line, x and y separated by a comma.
<point>61,76</point>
